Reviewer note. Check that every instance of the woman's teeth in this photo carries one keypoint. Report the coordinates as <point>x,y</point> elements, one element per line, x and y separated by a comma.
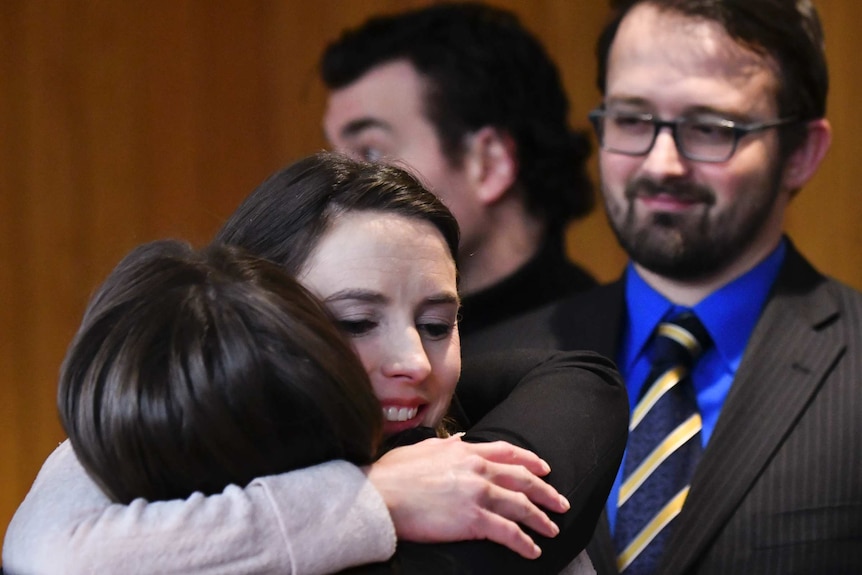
<point>399,413</point>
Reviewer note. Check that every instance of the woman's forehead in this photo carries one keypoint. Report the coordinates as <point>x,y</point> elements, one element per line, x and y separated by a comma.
<point>376,245</point>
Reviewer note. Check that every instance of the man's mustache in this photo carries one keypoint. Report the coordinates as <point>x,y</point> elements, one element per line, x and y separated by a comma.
<point>682,191</point>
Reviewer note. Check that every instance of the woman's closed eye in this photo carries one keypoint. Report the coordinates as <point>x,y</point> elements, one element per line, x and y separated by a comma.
<point>437,329</point>
<point>356,327</point>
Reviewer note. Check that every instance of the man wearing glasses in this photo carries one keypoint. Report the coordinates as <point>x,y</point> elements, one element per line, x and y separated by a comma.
<point>744,452</point>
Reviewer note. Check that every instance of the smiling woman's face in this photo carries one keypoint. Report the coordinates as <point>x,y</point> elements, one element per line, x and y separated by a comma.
<point>390,283</point>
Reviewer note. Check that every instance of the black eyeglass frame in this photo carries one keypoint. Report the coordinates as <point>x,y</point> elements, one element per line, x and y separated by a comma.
<point>738,129</point>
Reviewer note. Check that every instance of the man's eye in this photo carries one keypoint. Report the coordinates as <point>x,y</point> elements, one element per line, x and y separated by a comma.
<point>706,128</point>
<point>371,154</point>
<point>628,120</point>
<point>631,123</point>
<point>356,327</point>
<point>708,131</point>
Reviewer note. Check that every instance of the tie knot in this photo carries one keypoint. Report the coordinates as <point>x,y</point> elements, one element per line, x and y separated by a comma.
<point>680,340</point>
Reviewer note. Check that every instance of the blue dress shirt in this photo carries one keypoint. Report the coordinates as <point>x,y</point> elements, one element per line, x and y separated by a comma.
<point>729,315</point>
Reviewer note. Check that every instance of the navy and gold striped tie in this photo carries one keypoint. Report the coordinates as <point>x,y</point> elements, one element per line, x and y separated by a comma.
<point>663,448</point>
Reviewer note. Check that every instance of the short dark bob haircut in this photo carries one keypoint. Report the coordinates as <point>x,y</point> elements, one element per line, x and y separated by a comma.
<point>193,370</point>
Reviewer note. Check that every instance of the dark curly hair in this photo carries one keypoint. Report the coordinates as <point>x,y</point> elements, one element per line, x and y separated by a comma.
<point>482,68</point>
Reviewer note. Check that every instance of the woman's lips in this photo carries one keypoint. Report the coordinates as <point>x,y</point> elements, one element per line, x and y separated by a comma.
<point>398,418</point>
<point>393,413</point>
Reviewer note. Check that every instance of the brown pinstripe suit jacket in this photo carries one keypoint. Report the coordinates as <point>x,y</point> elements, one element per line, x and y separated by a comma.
<point>779,489</point>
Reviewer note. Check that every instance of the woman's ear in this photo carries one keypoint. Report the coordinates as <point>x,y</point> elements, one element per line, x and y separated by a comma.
<point>804,161</point>
<point>491,163</point>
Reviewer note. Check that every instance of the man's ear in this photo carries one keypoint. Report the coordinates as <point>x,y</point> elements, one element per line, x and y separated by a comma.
<point>804,161</point>
<point>491,163</point>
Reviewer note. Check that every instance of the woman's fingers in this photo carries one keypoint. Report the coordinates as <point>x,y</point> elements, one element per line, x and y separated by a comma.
<point>447,490</point>
<point>503,452</point>
<point>518,479</point>
<point>500,530</point>
<point>517,496</point>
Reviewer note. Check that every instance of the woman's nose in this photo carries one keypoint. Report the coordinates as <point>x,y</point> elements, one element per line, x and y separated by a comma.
<point>406,357</point>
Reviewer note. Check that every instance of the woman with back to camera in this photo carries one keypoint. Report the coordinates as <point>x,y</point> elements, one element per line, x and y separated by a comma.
<point>195,370</point>
<point>290,219</point>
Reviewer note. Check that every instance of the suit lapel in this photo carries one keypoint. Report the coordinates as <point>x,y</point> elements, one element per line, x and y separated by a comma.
<point>794,344</point>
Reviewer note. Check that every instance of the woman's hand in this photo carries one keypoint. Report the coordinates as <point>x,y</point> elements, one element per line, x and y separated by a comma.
<point>443,490</point>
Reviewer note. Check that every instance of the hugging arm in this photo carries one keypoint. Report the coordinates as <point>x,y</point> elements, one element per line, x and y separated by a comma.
<point>314,520</point>
<point>571,409</point>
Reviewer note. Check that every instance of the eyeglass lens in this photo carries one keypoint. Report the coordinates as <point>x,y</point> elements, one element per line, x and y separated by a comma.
<point>705,140</point>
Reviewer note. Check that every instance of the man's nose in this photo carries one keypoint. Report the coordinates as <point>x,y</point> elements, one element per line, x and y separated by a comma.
<point>664,159</point>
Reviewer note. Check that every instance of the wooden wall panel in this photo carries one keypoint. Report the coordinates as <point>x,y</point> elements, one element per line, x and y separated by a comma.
<point>13,380</point>
<point>824,219</point>
<point>122,122</point>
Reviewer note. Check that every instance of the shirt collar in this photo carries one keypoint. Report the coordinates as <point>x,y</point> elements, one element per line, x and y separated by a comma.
<point>744,297</point>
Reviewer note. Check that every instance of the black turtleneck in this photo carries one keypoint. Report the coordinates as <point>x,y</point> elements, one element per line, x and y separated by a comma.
<point>547,277</point>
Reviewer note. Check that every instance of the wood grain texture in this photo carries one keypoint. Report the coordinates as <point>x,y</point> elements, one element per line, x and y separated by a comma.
<point>129,121</point>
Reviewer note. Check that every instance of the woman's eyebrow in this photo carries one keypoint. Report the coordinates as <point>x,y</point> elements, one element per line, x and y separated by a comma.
<point>444,298</point>
<point>357,294</point>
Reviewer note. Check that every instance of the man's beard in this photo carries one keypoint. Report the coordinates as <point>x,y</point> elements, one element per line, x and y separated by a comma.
<point>694,244</point>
